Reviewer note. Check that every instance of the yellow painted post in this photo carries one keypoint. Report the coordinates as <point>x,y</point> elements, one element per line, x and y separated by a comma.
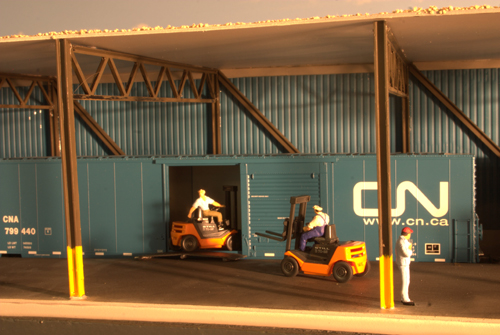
<point>69,170</point>
<point>386,282</point>
<point>75,273</point>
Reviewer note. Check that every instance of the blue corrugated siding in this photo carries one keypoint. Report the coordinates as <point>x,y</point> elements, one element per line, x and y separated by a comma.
<point>23,131</point>
<point>320,113</point>
<point>475,92</point>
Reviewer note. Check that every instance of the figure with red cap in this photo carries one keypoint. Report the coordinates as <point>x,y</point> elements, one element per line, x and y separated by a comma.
<point>315,228</point>
<point>403,254</point>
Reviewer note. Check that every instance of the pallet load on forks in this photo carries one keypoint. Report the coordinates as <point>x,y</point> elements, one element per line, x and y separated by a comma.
<point>327,256</point>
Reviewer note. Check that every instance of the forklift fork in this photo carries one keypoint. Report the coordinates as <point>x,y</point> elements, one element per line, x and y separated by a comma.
<point>276,236</point>
<point>290,230</point>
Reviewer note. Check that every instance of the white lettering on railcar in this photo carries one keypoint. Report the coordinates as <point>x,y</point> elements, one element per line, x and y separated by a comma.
<point>10,219</point>
<point>436,212</point>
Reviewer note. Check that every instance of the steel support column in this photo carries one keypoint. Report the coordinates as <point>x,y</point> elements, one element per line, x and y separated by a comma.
<point>216,117</point>
<point>69,169</point>
<point>399,86</point>
<point>406,124</point>
<point>55,136</point>
<point>383,148</point>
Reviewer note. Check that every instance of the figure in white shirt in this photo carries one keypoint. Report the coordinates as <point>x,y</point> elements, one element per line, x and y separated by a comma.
<point>403,254</point>
<point>203,201</point>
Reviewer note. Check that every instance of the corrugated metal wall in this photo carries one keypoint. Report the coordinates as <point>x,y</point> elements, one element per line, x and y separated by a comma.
<point>328,113</point>
<point>22,131</point>
<point>475,92</point>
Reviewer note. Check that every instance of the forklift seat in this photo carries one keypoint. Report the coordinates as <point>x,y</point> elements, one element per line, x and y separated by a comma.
<point>330,236</point>
<point>198,217</point>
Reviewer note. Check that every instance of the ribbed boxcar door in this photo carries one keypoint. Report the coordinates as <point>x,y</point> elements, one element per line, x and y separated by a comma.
<point>269,188</point>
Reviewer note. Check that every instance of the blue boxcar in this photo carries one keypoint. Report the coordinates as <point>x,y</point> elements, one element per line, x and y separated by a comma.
<point>128,203</point>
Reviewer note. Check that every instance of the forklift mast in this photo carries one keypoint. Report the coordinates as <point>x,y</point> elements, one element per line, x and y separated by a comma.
<point>298,222</point>
<point>292,225</point>
<point>231,198</point>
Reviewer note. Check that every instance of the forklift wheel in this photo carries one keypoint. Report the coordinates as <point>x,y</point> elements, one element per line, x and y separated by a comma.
<point>229,243</point>
<point>289,266</point>
<point>367,269</point>
<point>342,272</point>
<point>189,243</point>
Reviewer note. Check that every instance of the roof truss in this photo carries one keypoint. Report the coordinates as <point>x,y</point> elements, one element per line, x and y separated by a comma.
<point>165,73</point>
<point>45,85</point>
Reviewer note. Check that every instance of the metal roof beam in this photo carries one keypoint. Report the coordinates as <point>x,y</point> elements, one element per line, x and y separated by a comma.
<point>54,129</point>
<point>27,77</point>
<point>140,59</point>
<point>137,99</point>
<point>216,115</point>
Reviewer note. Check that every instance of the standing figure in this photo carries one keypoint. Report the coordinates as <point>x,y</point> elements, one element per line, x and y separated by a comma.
<point>203,201</point>
<point>315,228</point>
<point>403,254</point>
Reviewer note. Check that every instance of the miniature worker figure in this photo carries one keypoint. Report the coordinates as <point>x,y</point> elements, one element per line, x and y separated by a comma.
<point>403,254</point>
<point>315,228</point>
<point>203,201</point>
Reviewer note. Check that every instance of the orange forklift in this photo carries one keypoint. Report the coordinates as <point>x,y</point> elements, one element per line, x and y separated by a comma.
<point>328,256</point>
<point>204,233</point>
<point>201,233</point>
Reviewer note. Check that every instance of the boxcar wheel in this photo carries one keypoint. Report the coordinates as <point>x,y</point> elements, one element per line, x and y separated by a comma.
<point>342,272</point>
<point>189,243</point>
<point>289,266</point>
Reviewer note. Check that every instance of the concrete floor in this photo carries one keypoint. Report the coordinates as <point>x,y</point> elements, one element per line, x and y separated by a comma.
<point>254,293</point>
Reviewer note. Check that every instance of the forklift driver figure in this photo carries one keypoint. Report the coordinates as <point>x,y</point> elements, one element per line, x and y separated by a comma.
<point>203,201</point>
<point>315,228</point>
